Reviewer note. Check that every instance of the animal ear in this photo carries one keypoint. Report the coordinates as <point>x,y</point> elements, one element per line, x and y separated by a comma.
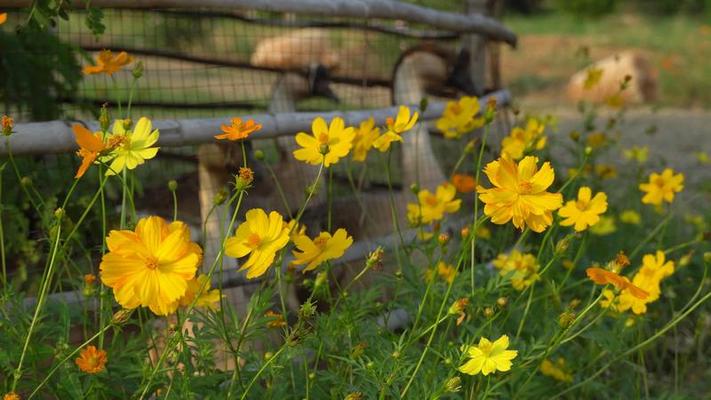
<point>320,82</point>
<point>459,77</point>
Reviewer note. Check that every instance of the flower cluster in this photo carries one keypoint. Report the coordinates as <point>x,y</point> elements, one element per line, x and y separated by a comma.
<point>460,117</point>
<point>522,140</point>
<point>521,267</point>
<point>433,206</point>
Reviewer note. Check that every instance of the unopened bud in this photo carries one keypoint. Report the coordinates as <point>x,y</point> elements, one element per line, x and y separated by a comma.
<point>104,118</point>
<point>137,70</point>
<point>375,259</point>
<point>490,112</point>
<point>259,155</point>
<point>464,232</point>
<point>127,123</point>
<point>354,396</point>
<point>562,245</point>
<point>8,124</point>
<point>26,181</point>
<point>59,213</point>
<point>321,278</point>
<point>686,259</point>
<point>220,197</point>
<point>396,354</point>
<point>588,150</point>
<point>566,319</point>
<point>488,312</point>
<point>707,257</point>
<point>268,355</point>
<point>443,239</point>
<point>415,188</point>
<point>121,316</point>
<point>172,185</point>
<point>453,385</point>
<point>574,136</point>
<point>470,147</point>
<point>502,301</point>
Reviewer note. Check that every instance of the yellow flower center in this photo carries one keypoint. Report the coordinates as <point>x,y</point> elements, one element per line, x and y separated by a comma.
<point>581,205</point>
<point>485,348</point>
<point>254,240</point>
<point>320,242</point>
<point>660,182</point>
<point>525,187</point>
<point>151,263</point>
<point>431,200</point>
<point>456,108</point>
<point>323,138</point>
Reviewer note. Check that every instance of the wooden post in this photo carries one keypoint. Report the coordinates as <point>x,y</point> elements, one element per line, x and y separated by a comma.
<point>476,44</point>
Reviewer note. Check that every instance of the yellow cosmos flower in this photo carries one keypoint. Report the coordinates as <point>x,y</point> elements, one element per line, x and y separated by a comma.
<point>11,395</point>
<point>605,226</point>
<point>654,269</point>
<point>522,268</point>
<point>556,370</point>
<point>637,153</point>
<point>365,135</point>
<point>432,206</point>
<point>402,123</point>
<point>91,360</point>
<point>150,266</point>
<point>488,357</point>
<point>585,211</point>
<point>631,217</point>
<point>327,144</point>
<point>323,248</point>
<point>662,187</point>
<point>464,183</point>
<point>519,193</point>
<point>107,63</point>
<point>459,117</point>
<point>198,290</point>
<point>445,271</point>
<point>3,18</point>
<point>260,236</point>
<point>131,148</point>
<point>520,140</point>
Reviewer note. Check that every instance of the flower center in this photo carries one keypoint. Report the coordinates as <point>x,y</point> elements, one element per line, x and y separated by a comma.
<point>320,242</point>
<point>431,200</point>
<point>253,240</point>
<point>525,187</point>
<point>582,205</point>
<point>660,182</point>
<point>456,109</point>
<point>485,348</point>
<point>151,263</point>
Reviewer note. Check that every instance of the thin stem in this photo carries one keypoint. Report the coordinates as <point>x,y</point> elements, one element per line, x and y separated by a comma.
<point>261,370</point>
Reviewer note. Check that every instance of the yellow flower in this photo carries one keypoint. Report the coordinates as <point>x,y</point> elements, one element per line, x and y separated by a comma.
<point>432,206</point>
<point>457,308</point>
<point>323,248</point>
<point>523,268</point>
<point>637,153</point>
<point>464,183</point>
<point>107,64</point>
<point>556,370</point>
<point>402,123</point>
<point>605,226</point>
<point>446,272</point>
<point>3,18</point>
<point>365,135</point>
<point>150,266</point>
<point>654,269</point>
<point>261,236</point>
<point>91,360</point>
<point>662,187</point>
<point>459,117</point>
<point>592,77</point>
<point>519,193</point>
<point>238,130</point>
<point>132,148</point>
<point>327,144</point>
<point>630,217</point>
<point>520,140</point>
<point>596,139</point>
<point>585,211</point>
<point>198,290</point>
<point>11,395</point>
<point>488,357</point>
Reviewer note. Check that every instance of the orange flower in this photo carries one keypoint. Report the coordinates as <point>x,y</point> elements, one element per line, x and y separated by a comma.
<point>238,130</point>
<point>605,277</point>
<point>91,360</point>
<point>89,279</point>
<point>11,395</point>
<point>464,183</point>
<point>90,145</point>
<point>7,124</point>
<point>3,18</point>
<point>108,64</point>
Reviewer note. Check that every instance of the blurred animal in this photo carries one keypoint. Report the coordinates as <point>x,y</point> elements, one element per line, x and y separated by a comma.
<point>296,50</point>
<point>601,81</point>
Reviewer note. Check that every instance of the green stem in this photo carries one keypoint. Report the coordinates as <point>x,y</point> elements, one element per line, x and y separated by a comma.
<point>261,370</point>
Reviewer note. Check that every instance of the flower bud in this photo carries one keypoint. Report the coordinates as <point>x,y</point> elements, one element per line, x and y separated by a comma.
<point>127,123</point>
<point>8,124</point>
<point>464,232</point>
<point>375,259</point>
<point>244,178</point>
<point>490,112</point>
<point>268,355</point>
<point>453,385</point>
<point>26,181</point>
<point>707,257</point>
<point>354,396</point>
<point>137,70</point>
<point>566,319</point>
<point>220,197</point>
<point>488,312</point>
<point>562,245</point>
<point>443,239</point>
<point>321,278</point>
<point>172,185</point>
<point>686,259</point>
<point>574,136</point>
<point>502,301</point>
<point>104,118</point>
<point>59,213</point>
<point>415,189</point>
<point>470,147</point>
<point>121,316</point>
<point>259,155</point>
<point>588,150</point>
